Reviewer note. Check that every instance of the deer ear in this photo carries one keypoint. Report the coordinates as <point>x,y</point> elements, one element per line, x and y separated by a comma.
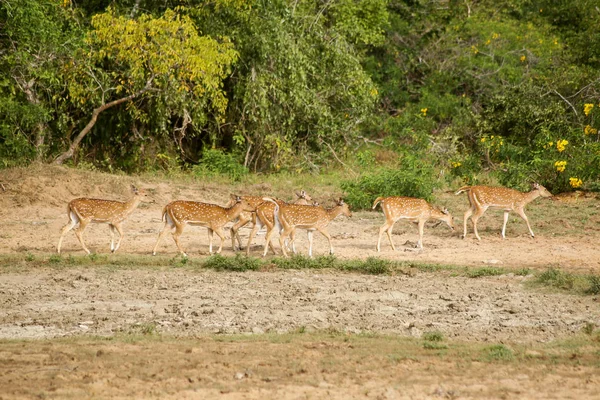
<point>445,211</point>
<point>233,196</point>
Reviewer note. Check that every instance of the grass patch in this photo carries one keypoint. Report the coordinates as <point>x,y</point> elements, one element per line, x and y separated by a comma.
<point>484,271</point>
<point>238,263</point>
<point>569,282</point>
<point>497,352</point>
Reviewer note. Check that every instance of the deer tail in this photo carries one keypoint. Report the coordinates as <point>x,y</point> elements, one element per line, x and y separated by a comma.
<point>377,201</point>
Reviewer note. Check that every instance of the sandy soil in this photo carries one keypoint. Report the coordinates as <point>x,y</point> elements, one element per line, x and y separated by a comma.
<point>50,303</point>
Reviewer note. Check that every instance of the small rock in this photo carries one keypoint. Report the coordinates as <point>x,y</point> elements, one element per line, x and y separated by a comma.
<point>492,261</point>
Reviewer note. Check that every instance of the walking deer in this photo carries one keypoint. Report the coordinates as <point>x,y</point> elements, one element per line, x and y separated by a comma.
<point>245,217</point>
<point>483,197</point>
<point>412,209</point>
<point>82,211</point>
<point>179,213</point>
<point>311,218</point>
<point>265,217</point>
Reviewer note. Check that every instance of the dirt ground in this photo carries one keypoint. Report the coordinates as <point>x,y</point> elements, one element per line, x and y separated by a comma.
<point>48,303</point>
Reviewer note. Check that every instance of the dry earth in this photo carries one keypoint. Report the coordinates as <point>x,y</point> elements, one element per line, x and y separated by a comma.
<point>50,303</point>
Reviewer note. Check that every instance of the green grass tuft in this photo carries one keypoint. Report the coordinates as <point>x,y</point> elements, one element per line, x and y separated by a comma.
<point>498,352</point>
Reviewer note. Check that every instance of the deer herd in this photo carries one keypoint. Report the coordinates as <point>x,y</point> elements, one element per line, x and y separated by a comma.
<point>277,216</point>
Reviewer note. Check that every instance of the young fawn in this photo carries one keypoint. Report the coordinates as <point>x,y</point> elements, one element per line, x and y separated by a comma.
<point>245,217</point>
<point>484,197</point>
<point>311,218</point>
<point>412,209</point>
<point>82,211</point>
<point>265,217</point>
<point>179,213</point>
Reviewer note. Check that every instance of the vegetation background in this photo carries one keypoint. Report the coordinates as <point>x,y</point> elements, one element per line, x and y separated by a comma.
<point>389,96</point>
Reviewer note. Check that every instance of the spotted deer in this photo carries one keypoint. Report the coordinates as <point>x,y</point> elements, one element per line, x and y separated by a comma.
<point>412,209</point>
<point>265,217</point>
<point>245,217</point>
<point>180,213</point>
<point>311,218</point>
<point>483,197</point>
<point>84,210</point>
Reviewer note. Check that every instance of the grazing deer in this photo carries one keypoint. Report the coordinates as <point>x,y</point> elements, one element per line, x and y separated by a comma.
<point>82,211</point>
<point>484,197</point>
<point>265,217</point>
<point>412,209</point>
<point>311,218</point>
<point>245,217</point>
<point>179,213</point>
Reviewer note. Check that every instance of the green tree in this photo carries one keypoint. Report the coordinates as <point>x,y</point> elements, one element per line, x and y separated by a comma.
<point>160,61</point>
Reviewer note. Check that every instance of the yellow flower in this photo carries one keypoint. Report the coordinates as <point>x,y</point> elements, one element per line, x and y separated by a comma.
<point>523,58</point>
<point>588,130</point>
<point>474,50</point>
<point>587,108</point>
<point>456,164</point>
<point>488,41</point>
<point>424,111</point>
<point>575,182</point>
<point>482,140</point>
<point>561,144</point>
<point>560,165</point>
<point>551,144</point>
<point>495,36</point>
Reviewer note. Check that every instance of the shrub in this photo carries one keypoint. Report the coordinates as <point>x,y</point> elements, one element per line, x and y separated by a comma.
<point>217,162</point>
<point>412,178</point>
<point>498,352</point>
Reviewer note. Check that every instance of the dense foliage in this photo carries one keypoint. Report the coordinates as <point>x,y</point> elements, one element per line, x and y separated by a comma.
<point>407,91</point>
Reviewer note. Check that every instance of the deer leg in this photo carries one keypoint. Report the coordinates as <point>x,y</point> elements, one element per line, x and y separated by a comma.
<point>478,213</point>
<point>210,238</point>
<point>468,213</point>
<point>219,232</point>
<point>79,233</point>
<point>163,232</point>
<point>282,237</point>
<point>176,234</point>
<point>521,213</point>
<point>309,234</point>
<point>504,224</point>
<point>385,229</point>
<point>235,234</point>
<point>73,220</point>
<point>268,244</point>
<point>328,236</point>
<point>112,237</point>
<point>120,231</point>
<point>421,227</point>
<point>253,232</point>
<point>293,240</point>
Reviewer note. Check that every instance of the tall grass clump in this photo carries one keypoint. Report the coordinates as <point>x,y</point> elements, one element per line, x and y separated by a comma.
<point>371,266</point>
<point>237,263</point>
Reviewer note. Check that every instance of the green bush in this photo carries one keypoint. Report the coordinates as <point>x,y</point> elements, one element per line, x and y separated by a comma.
<point>217,162</point>
<point>498,352</point>
<point>413,177</point>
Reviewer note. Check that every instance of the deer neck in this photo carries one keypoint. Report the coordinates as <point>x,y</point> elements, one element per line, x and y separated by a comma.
<point>234,211</point>
<point>333,212</point>
<point>132,204</point>
<point>531,196</point>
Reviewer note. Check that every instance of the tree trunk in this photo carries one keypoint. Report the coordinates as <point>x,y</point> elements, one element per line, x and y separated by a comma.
<point>74,146</point>
<point>41,127</point>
